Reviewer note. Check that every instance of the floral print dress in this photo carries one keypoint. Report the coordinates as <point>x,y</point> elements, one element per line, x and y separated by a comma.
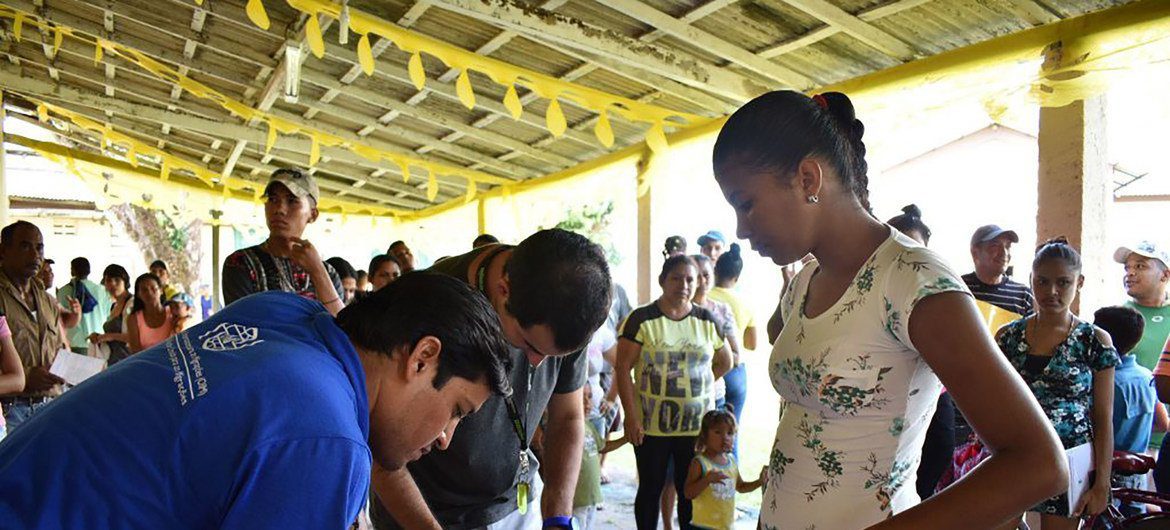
<point>860,396</point>
<point>1064,388</point>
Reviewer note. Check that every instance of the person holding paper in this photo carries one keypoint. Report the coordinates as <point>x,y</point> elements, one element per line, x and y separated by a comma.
<point>1068,364</point>
<point>33,317</point>
<point>267,415</point>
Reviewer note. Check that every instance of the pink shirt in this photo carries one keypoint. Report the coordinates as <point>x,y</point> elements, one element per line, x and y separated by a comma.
<point>148,336</point>
<point>1163,366</point>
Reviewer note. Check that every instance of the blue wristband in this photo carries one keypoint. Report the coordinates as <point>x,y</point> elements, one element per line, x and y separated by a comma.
<point>560,521</point>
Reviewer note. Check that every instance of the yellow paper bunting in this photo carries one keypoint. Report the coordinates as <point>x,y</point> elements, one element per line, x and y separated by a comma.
<point>132,155</point>
<point>471,191</point>
<point>314,150</point>
<point>165,171</point>
<point>656,139</point>
<point>17,26</point>
<point>604,130</point>
<point>271,140</point>
<point>97,53</point>
<point>418,74</point>
<point>42,113</point>
<point>405,168</point>
<point>366,55</point>
<point>554,118</point>
<point>512,102</point>
<point>464,91</point>
<point>314,36</point>
<point>432,185</point>
<point>256,14</point>
<point>58,36</point>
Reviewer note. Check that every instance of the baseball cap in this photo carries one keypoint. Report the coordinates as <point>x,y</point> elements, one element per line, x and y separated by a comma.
<point>986,233</point>
<point>300,183</point>
<point>1144,248</point>
<point>182,297</point>
<point>711,235</point>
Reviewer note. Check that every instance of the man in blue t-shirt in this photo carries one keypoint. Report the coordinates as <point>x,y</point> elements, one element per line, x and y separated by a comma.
<point>267,415</point>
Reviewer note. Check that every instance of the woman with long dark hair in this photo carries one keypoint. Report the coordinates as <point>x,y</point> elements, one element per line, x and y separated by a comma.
<point>867,325</point>
<point>150,320</point>
<point>115,332</point>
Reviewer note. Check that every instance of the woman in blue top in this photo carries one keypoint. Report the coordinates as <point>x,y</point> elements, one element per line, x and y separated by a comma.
<point>1068,364</point>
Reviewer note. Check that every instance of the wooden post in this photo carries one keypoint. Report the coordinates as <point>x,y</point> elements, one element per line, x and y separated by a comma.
<point>645,244</point>
<point>216,262</point>
<point>1075,194</point>
<point>481,216</point>
<point>3,169</point>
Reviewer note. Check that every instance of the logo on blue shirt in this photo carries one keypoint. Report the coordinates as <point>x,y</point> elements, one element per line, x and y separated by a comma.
<point>230,337</point>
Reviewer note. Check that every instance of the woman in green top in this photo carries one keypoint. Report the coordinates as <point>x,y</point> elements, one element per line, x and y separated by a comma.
<point>678,353</point>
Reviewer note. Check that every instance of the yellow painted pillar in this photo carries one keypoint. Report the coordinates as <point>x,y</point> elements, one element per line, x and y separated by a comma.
<point>3,169</point>
<point>481,216</point>
<point>1075,192</point>
<point>216,262</point>
<point>645,244</point>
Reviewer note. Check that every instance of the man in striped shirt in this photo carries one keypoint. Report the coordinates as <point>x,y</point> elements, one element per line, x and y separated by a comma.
<point>991,250</point>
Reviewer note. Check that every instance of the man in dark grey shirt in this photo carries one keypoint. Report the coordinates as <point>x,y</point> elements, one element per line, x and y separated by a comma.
<point>552,292</point>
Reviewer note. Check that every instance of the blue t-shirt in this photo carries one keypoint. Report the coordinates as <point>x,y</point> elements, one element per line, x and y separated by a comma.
<point>256,418</point>
<point>1133,406</point>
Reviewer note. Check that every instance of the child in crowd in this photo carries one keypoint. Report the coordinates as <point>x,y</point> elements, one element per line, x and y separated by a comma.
<point>714,476</point>
<point>181,304</point>
<point>1134,397</point>
<point>588,494</point>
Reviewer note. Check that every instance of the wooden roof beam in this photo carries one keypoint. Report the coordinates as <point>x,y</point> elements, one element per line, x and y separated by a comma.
<point>545,26</point>
<point>818,34</point>
<point>709,42</point>
<point>857,28</point>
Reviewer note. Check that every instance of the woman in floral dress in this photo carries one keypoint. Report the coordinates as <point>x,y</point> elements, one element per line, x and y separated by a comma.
<point>1068,363</point>
<point>867,325</point>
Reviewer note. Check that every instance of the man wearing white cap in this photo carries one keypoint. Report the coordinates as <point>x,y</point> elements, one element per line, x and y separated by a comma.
<point>284,261</point>
<point>1146,279</point>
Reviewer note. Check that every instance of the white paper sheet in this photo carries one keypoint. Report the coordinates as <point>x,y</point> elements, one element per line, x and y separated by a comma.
<point>1080,464</point>
<point>75,368</point>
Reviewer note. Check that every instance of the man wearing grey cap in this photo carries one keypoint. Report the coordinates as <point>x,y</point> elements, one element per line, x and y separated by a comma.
<point>284,261</point>
<point>991,250</point>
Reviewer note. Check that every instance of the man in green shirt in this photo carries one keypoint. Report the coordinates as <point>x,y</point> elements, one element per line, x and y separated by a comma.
<point>93,305</point>
<point>1146,279</point>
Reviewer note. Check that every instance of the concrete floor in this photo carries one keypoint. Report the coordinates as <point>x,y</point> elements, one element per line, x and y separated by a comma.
<point>618,512</point>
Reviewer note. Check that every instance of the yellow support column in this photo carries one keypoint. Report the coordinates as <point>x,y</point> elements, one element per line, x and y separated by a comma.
<point>3,170</point>
<point>645,244</point>
<point>1075,193</point>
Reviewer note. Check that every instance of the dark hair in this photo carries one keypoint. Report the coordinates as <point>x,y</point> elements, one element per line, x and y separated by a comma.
<point>9,232</point>
<point>674,244</point>
<point>671,263</point>
<point>138,305</point>
<point>729,265</point>
<point>381,259</point>
<point>119,272</point>
<point>158,264</point>
<point>700,259</point>
<point>725,415</point>
<point>80,267</point>
<point>343,268</point>
<point>360,274</point>
<point>1124,324</point>
<point>1058,248</point>
<point>777,130</point>
<point>910,220</point>
<point>559,278</point>
<point>428,304</point>
<point>484,239</point>
<point>394,244</point>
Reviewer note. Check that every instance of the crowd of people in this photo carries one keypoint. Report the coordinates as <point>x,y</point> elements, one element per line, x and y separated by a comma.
<point>327,397</point>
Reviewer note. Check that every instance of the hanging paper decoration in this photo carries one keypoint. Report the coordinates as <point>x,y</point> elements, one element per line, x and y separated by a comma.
<point>58,36</point>
<point>271,139</point>
<point>198,2</point>
<point>314,36</point>
<point>165,171</point>
<point>97,53</point>
<point>471,191</point>
<point>42,113</point>
<point>256,14</point>
<point>17,26</point>
<point>554,118</point>
<point>132,155</point>
<point>656,139</point>
<point>512,102</point>
<point>405,168</point>
<point>464,91</point>
<point>603,130</point>
<point>418,74</point>
<point>314,150</point>
<point>432,185</point>
<point>366,55</point>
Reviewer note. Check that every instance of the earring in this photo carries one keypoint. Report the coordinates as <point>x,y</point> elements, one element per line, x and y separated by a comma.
<point>813,199</point>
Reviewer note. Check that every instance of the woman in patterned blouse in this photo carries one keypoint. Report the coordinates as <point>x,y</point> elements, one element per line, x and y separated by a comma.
<point>867,325</point>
